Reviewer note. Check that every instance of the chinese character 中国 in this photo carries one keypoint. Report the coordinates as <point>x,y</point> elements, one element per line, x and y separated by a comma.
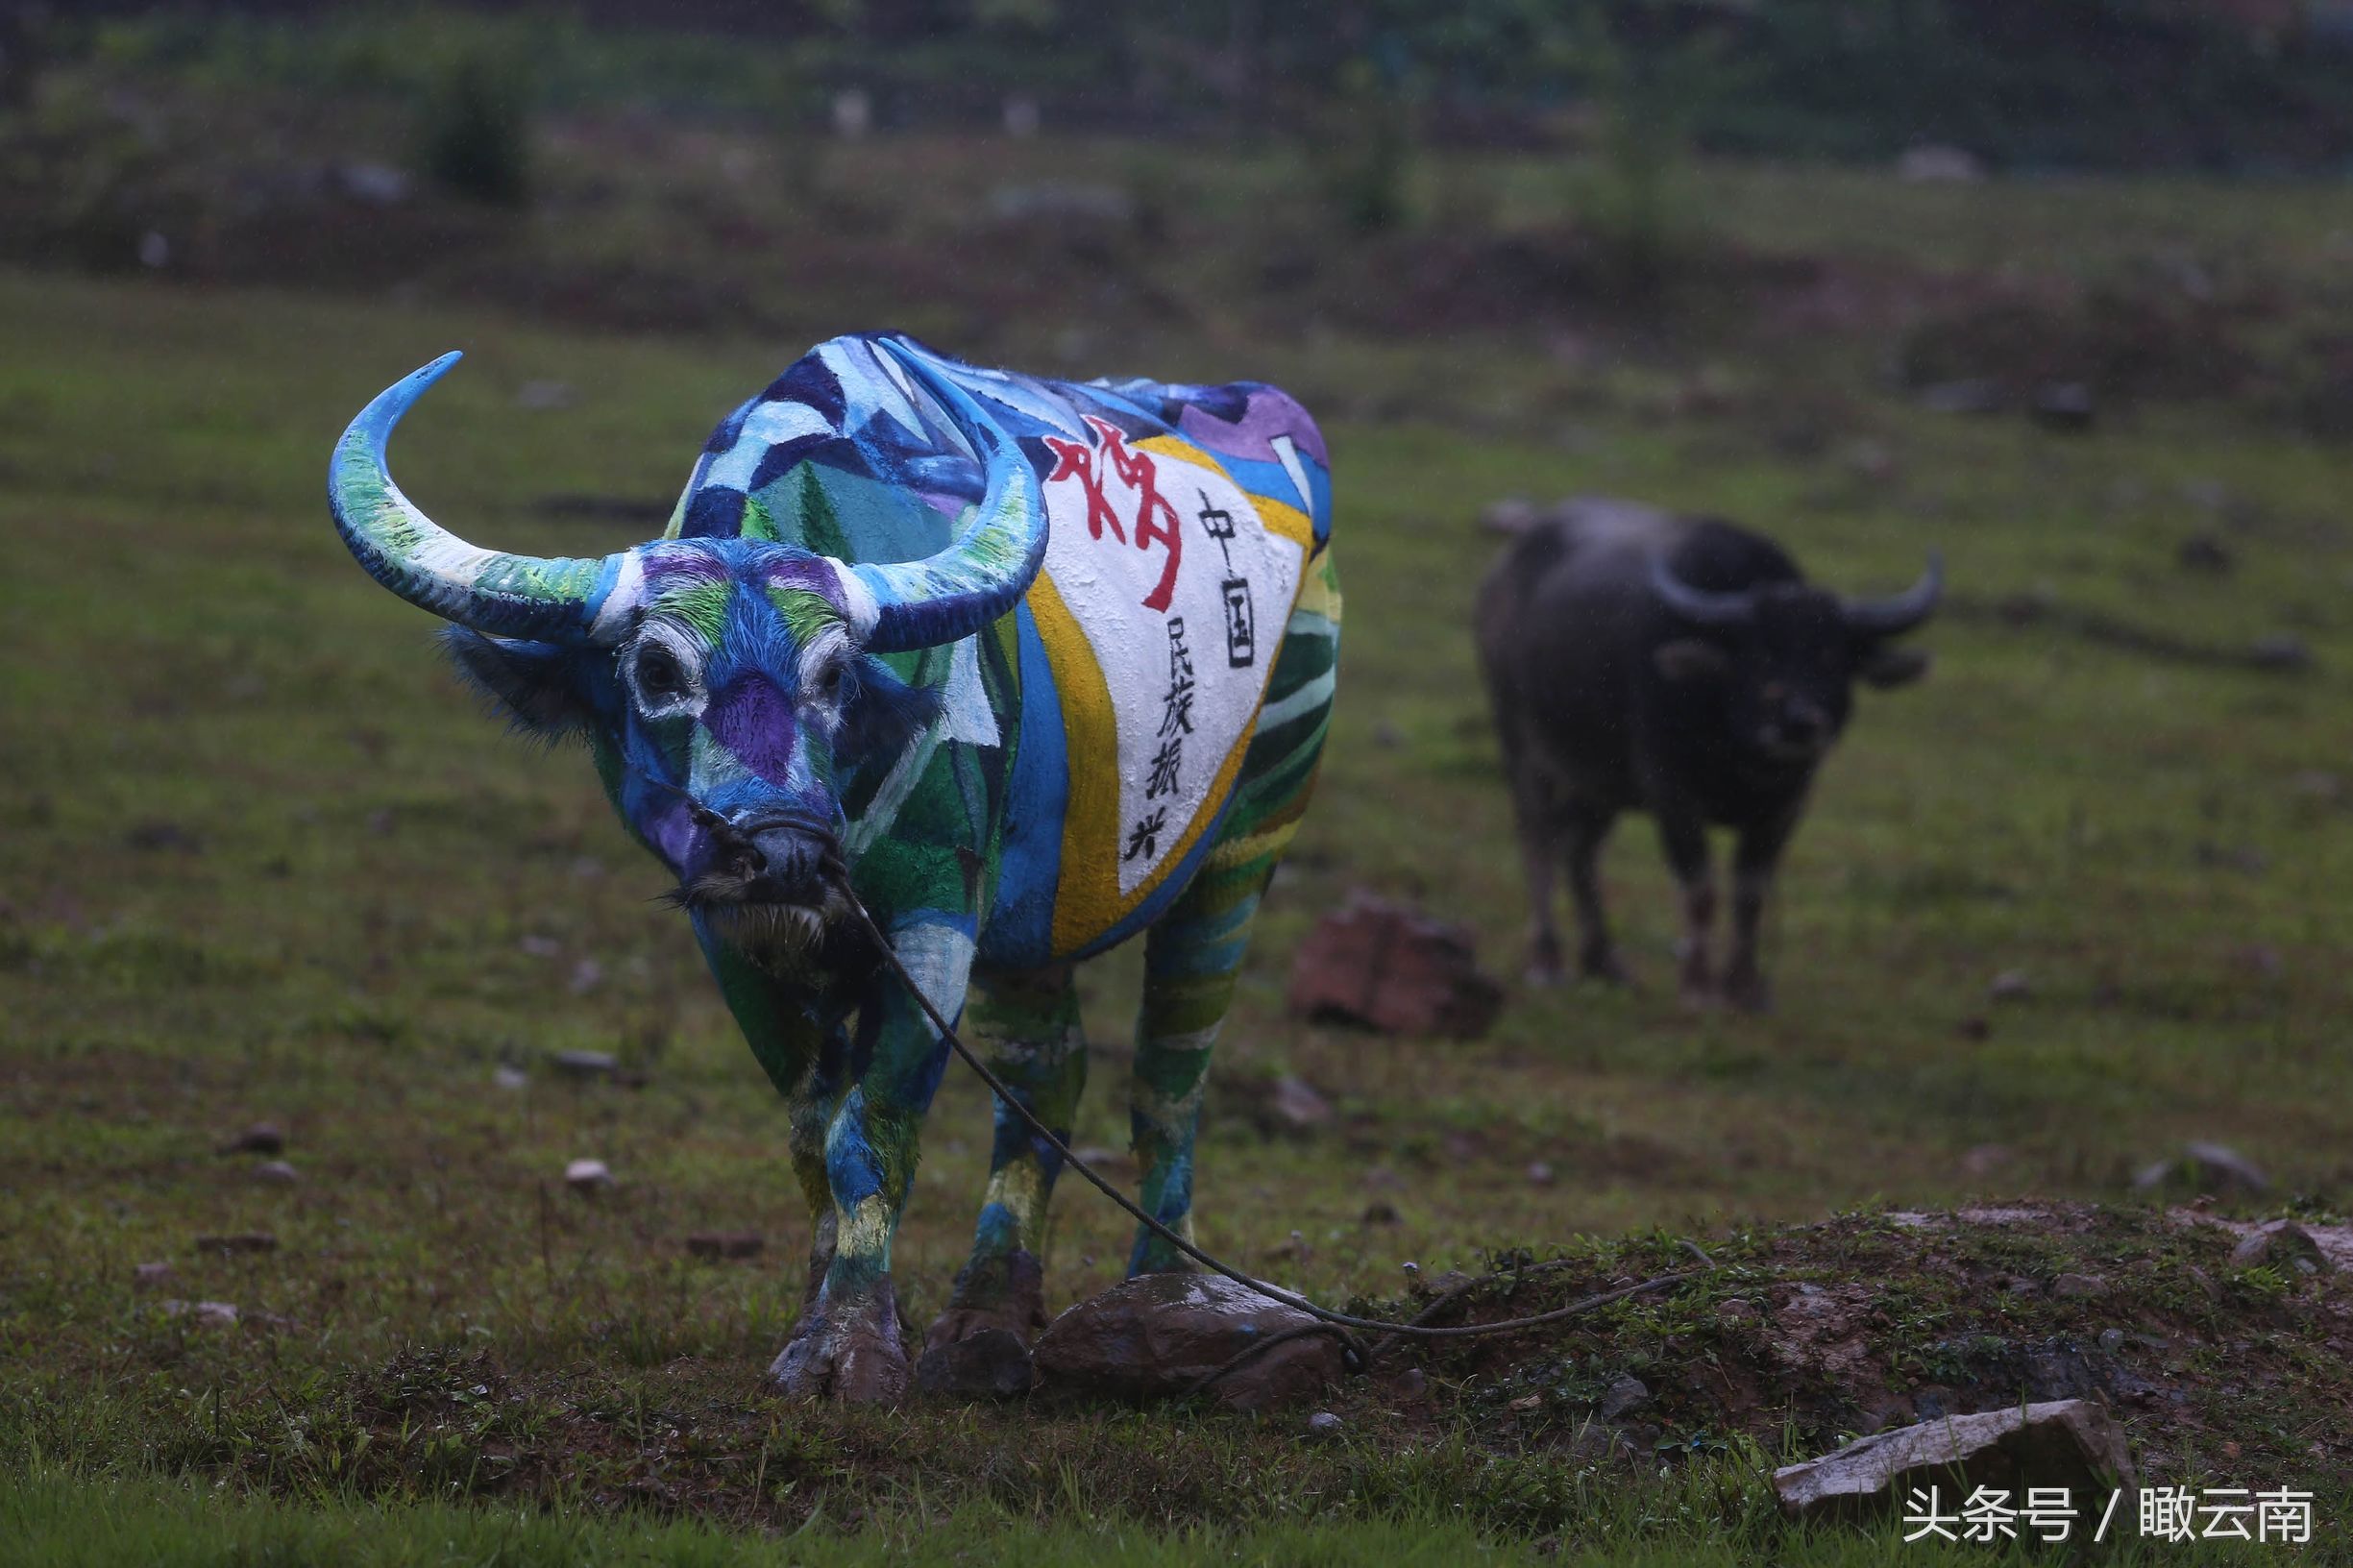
<point>1241,628</point>
<point>1219,523</point>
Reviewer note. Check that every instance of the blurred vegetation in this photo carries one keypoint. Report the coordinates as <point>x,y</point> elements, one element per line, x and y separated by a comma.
<point>474,139</point>
<point>2040,84</point>
<point>270,862</point>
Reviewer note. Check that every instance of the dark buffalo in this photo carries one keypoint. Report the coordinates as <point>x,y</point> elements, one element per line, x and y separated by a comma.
<point>1683,667</point>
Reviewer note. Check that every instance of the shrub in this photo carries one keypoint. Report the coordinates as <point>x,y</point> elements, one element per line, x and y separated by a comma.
<point>477,132</point>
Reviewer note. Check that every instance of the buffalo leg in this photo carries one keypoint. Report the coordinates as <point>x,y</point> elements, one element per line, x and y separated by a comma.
<point>1597,956</point>
<point>1539,830</point>
<point>1758,853</point>
<point>1192,957</point>
<point>1036,1043</point>
<point>806,1060</point>
<point>1684,836</point>
<point>1193,952</point>
<point>847,1346</point>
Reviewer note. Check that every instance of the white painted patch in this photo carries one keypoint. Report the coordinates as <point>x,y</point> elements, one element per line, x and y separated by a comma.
<point>965,714</point>
<point>1288,454</point>
<point>939,960</point>
<point>1184,675</point>
<point>857,599</point>
<point>613,615</point>
<point>765,425</point>
<point>444,556</point>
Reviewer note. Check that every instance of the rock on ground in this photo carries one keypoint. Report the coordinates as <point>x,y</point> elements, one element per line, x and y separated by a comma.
<point>241,1242</point>
<point>1381,965</point>
<point>2066,1442</point>
<point>261,1138</point>
<point>719,1244</point>
<point>1157,1336</point>
<point>588,1176</point>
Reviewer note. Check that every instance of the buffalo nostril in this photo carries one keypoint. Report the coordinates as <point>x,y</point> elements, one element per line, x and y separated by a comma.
<point>790,859</point>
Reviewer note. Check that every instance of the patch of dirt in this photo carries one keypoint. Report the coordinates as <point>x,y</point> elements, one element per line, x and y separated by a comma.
<point>1871,1321</point>
<point>1792,1339</point>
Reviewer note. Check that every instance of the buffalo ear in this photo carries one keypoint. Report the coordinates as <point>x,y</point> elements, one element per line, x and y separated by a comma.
<point>884,714</point>
<point>1888,664</point>
<point>533,683</point>
<point>1691,658</point>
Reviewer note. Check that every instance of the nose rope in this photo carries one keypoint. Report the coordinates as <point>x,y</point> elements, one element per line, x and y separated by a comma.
<point>1418,1328</point>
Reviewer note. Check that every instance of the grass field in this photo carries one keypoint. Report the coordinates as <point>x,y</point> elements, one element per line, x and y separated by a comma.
<point>260,858</point>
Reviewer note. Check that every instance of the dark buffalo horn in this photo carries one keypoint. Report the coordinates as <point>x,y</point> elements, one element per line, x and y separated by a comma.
<point>1889,617</point>
<point>1700,607</point>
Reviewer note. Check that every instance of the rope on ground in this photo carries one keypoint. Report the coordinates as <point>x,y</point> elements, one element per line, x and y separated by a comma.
<point>1419,1328</point>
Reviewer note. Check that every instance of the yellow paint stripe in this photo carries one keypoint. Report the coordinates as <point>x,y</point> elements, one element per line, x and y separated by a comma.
<point>1087,886</point>
<point>1279,517</point>
<point>1320,592</point>
<point>1087,898</point>
<point>1286,521</point>
<point>1243,852</point>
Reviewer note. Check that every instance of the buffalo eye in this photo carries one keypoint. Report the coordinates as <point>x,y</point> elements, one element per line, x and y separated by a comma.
<point>661,678</point>
<point>828,687</point>
<point>658,675</point>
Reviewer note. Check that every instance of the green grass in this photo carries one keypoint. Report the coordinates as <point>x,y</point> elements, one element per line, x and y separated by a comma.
<point>378,898</point>
<point>60,1523</point>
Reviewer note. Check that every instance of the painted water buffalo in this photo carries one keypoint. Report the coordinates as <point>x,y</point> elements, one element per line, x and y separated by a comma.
<point>1639,661</point>
<point>1025,667</point>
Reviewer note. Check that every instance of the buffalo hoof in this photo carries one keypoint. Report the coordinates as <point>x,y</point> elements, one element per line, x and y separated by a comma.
<point>1544,960</point>
<point>979,1347</point>
<point>1604,965</point>
<point>985,1363</point>
<point>1749,992</point>
<point>853,1353</point>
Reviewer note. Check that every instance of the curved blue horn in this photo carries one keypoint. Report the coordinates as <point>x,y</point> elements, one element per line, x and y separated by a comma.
<point>543,598</point>
<point>993,560</point>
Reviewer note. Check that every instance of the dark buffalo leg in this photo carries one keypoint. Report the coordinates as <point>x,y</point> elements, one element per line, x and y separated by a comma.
<point>847,1345</point>
<point>1684,833</point>
<point>979,1344</point>
<point>1537,816</point>
<point>1759,852</point>
<point>1540,853</point>
<point>1597,956</point>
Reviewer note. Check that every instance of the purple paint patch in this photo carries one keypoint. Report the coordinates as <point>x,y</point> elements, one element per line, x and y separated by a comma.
<point>690,564</point>
<point>753,719</point>
<point>806,571</point>
<point>1270,413</point>
<point>673,832</point>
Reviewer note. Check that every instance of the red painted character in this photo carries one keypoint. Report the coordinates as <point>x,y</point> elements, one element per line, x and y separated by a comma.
<point>1155,520</point>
